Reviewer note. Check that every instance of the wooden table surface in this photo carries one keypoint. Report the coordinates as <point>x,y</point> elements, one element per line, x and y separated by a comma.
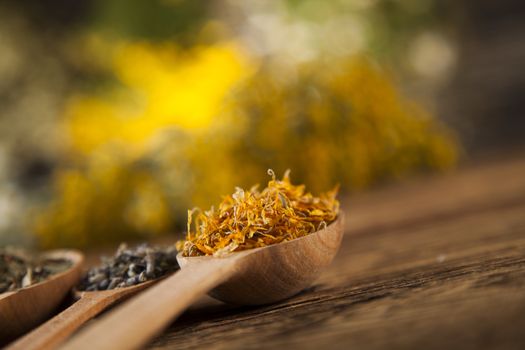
<point>434,263</point>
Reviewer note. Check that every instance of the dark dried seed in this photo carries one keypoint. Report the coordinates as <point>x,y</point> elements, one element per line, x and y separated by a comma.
<point>142,277</point>
<point>103,284</point>
<point>99,277</point>
<point>131,267</point>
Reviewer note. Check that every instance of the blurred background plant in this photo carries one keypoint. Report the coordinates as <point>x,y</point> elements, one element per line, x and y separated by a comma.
<point>117,116</point>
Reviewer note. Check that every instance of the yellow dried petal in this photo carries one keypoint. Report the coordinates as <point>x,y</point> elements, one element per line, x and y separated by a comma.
<point>250,219</point>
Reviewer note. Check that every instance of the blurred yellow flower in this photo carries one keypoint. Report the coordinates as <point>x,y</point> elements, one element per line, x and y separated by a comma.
<point>341,123</point>
<point>161,87</point>
<point>183,128</point>
<point>108,199</point>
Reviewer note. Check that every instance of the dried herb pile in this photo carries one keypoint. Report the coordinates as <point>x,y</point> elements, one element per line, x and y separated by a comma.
<point>129,267</point>
<point>19,270</point>
<point>251,219</point>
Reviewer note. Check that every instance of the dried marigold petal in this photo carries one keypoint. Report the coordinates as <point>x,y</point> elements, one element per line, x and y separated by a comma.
<point>252,219</point>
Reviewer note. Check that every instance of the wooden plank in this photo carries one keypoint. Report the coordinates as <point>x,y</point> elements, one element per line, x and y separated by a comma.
<point>415,272</point>
<point>474,188</point>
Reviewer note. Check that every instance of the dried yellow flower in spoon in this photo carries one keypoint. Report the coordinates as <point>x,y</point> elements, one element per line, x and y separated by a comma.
<point>252,219</point>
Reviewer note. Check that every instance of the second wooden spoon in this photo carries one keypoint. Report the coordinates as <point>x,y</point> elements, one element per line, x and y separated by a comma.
<point>89,304</point>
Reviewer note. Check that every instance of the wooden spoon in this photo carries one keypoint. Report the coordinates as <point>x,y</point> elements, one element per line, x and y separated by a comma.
<point>25,308</point>
<point>89,304</point>
<point>257,276</point>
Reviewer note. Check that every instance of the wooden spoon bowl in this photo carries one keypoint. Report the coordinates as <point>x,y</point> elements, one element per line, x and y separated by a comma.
<point>25,308</point>
<point>269,274</point>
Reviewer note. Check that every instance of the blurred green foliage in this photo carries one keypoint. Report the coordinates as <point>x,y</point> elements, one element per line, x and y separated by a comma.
<point>156,19</point>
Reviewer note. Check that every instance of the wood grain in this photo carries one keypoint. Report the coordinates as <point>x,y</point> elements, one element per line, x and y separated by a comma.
<point>435,264</point>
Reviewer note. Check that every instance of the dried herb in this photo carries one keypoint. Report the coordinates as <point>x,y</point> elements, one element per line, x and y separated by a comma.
<point>19,270</point>
<point>129,267</point>
<point>250,219</point>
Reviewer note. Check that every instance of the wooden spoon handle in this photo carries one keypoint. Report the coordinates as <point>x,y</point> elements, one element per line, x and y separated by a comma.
<point>57,329</point>
<point>135,322</point>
